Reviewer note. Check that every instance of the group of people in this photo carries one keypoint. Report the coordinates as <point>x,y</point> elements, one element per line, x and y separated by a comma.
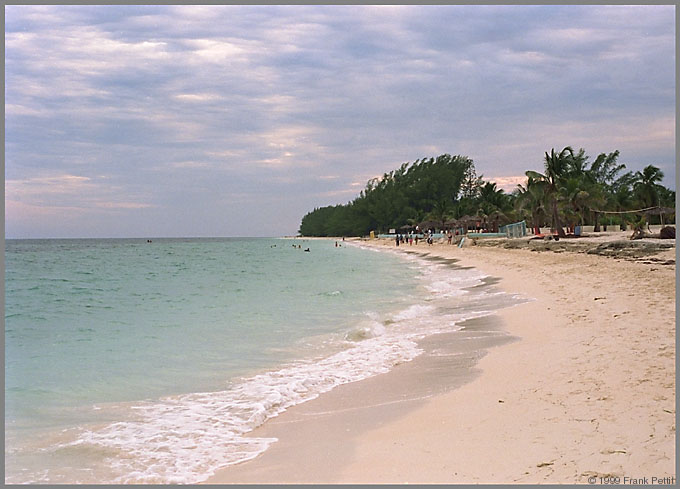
<point>410,238</point>
<point>401,239</point>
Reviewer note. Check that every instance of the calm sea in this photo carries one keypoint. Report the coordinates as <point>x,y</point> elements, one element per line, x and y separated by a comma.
<point>128,361</point>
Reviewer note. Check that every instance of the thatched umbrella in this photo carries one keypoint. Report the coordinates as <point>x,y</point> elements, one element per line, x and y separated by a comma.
<point>466,220</point>
<point>659,211</point>
<point>425,225</point>
<point>407,227</point>
<point>496,216</point>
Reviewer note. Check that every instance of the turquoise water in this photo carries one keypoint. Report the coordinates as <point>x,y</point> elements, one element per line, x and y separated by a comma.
<point>128,361</point>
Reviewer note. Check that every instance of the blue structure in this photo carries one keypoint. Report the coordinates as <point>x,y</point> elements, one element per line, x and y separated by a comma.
<point>515,230</point>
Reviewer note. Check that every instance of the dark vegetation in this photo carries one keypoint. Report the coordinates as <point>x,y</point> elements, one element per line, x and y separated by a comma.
<point>443,191</point>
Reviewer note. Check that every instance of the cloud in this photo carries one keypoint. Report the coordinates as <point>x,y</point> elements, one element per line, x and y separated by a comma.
<point>67,193</point>
<point>198,97</point>
<point>189,108</point>
<point>55,184</point>
<point>508,184</point>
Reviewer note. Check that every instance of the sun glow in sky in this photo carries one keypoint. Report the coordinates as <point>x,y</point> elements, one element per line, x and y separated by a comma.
<point>237,120</point>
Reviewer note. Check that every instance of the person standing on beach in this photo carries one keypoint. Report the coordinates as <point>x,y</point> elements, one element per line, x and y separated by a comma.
<point>397,240</point>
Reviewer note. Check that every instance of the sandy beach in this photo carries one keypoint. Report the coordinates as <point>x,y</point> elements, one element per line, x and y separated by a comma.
<point>578,383</point>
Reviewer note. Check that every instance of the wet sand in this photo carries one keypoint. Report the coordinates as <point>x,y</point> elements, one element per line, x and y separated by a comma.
<point>317,438</point>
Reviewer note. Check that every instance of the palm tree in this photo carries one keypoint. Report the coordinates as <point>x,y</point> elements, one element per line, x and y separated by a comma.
<point>578,195</point>
<point>603,176</point>
<point>490,193</point>
<point>645,186</point>
<point>440,211</point>
<point>556,168</point>
<point>617,195</point>
<point>532,199</point>
<point>493,202</point>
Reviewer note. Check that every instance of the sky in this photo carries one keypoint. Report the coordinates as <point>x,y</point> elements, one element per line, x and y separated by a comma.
<point>174,121</point>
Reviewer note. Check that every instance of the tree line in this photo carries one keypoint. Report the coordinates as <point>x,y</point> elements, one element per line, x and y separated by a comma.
<point>571,191</point>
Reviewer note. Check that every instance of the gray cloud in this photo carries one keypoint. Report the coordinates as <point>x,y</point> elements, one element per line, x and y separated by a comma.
<point>181,120</point>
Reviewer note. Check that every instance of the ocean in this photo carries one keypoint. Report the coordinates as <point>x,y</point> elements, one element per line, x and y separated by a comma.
<point>129,361</point>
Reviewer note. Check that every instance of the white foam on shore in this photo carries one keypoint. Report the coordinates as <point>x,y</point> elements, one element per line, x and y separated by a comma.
<point>185,439</point>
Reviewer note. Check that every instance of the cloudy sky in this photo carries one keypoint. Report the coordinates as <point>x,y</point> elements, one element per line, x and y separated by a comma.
<point>131,121</point>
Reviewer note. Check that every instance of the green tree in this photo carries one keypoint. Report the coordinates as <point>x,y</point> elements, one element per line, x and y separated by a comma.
<point>493,205</point>
<point>646,187</point>
<point>576,199</point>
<point>570,190</point>
<point>426,187</point>
<point>603,174</point>
<point>556,168</point>
<point>531,202</point>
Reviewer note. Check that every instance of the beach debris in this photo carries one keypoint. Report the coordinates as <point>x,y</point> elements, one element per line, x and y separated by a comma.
<point>545,464</point>
<point>629,249</point>
<point>609,451</point>
<point>667,232</point>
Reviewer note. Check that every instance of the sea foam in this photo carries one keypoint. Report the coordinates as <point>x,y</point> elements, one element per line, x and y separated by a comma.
<point>185,439</point>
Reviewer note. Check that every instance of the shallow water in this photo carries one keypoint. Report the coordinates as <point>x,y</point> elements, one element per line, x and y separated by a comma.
<point>129,361</point>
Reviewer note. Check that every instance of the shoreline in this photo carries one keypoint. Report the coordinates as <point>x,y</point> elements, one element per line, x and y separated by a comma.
<point>316,439</point>
<point>587,391</point>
